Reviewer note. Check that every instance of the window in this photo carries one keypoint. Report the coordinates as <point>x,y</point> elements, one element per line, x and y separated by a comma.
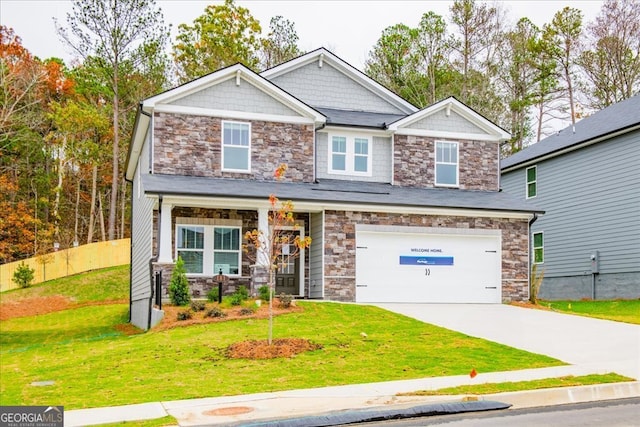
<point>236,150</point>
<point>447,163</point>
<point>532,182</point>
<point>349,155</point>
<point>190,244</point>
<point>226,250</point>
<point>207,249</point>
<point>538,248</point>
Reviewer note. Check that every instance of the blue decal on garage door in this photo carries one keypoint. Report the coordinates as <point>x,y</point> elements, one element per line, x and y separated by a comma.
<point>426,260</point>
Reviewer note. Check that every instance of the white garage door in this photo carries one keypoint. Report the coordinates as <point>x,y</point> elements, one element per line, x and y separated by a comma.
<point>407,264</point>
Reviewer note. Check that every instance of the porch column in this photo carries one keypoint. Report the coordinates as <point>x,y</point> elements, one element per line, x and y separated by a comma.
<point>164,245</point>
<point>262,257</point>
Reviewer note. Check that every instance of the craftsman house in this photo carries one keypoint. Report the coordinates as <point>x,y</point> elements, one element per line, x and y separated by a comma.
<point>402,204</point>
<point>587,179</point>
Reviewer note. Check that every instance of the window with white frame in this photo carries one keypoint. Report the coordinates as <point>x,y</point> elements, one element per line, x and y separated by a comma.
<point>446,163</point>
<point>190,247</point>
<point>532,182</point>
<point>236,146</point>
<point>538,248</point>
<point>208,249</point>
<point>349,155</point>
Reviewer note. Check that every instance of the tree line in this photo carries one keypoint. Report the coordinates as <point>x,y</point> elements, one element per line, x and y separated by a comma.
<point>65,128</point>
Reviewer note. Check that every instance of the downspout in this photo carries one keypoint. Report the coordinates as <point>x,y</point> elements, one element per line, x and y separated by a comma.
<point>152,260</point>
<point>531,221</point>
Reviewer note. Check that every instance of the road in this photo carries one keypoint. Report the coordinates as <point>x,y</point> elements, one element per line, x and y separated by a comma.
<point>610,413</point>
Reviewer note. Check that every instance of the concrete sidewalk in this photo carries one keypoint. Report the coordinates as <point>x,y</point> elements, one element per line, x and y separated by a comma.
<point>590,346</point>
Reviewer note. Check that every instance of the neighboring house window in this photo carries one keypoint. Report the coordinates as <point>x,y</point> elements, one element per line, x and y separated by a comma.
<point>447,163</point>
<point>349,155</point>
<point>532,182</point>
<point>207,249</point>
<point>190,245</point>
<point>236,147</point>
<point>538,248</point>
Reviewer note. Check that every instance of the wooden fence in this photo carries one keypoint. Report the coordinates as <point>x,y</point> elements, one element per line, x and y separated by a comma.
<point>70,261</point>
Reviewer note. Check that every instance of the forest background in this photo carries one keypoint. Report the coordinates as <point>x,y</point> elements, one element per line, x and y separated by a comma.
<point>65,128</point>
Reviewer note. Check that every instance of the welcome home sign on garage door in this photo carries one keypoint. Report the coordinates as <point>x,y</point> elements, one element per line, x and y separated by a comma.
<point>425,264</point>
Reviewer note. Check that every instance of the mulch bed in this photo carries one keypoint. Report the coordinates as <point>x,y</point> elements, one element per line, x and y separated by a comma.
<point>284,347</point>
<point>43,305</point>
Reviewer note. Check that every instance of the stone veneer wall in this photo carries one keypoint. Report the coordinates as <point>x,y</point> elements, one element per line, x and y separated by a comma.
<point>340,248</point>
<point>414,163</point>
<point>191,146</point>
<point>200,286</point>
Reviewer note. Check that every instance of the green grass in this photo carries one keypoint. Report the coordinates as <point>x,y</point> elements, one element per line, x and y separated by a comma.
<point>99,285</point>
<point>158,422</point>
<point>491,388</point>
<point>620,310</point>
<point>93,368</point>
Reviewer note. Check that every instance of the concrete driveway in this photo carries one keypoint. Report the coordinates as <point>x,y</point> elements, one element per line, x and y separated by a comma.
<point>600,344</point>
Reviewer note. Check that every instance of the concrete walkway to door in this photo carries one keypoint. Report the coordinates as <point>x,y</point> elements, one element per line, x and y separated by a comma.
<point>596,344</point>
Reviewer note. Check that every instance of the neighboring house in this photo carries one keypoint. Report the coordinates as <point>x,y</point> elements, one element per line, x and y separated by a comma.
<point>402,204</point>
<point>587,179</point>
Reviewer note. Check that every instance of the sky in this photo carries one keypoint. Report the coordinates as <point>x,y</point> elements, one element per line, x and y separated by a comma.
<point>349,29</point>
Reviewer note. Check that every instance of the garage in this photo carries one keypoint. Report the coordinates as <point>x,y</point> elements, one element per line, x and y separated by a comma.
<point>428,265</point>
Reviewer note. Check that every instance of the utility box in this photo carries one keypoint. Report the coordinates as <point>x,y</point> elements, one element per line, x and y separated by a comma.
<point>595,262</point>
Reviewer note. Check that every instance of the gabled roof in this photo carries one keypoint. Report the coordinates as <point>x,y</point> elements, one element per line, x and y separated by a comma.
<point>490,129</point>
<point>238,72</point>
<point>322,54</point>
<point>326,192</point>
<point>617,118</point>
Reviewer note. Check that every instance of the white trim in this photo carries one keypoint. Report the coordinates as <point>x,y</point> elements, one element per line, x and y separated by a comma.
<point>234,115</point>
<point>435,164</point>
<point>164,245</point>
<point>222,146</point>
<point>345,68</point>
<point>208,250</point>
<point>494,131</point>
<point>355,129</point>
<point>533,247</point>
<point>526,182</point>
<point>447,134</point>
<point>305,206</point>
<point>350,155</point>
<point>429,230</point>
<point>225,74</point>
<point>137,143</point>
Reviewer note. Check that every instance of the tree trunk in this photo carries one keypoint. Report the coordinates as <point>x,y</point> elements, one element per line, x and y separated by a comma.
<point>75,226</point>
<point>92,213</point>
<point>116,154</point>
<point>102,229</point>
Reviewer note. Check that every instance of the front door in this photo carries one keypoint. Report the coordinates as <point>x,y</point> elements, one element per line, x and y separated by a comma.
<point>288,273</point>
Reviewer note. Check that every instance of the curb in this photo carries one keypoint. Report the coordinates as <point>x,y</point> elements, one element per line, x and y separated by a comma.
<point>378,414</point>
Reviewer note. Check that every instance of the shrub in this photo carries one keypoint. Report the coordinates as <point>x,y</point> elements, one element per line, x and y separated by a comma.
<point>216,312</point>
<point>240,295</point>
<point>246,311</point>
<point>23,276</point>
<point>212,295</point>
<point>197,305</point>
<point>285,300</point>
<point>264,293</point>
<point>179,285</point>
<point>184,315</point>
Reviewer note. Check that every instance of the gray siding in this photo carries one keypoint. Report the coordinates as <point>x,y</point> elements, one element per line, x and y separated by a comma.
<point>315,255</point>
<point>592,201</point>
<point>329,88</point>
<point>439,121</point>
<point>227,96</point>
<point>141,247</point>
<point>380,161</point>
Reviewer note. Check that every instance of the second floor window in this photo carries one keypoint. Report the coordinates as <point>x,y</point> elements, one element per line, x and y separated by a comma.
<point>447,163</point>
<point>349,155</point>
<point>236,146</point>
<point>532,182</point>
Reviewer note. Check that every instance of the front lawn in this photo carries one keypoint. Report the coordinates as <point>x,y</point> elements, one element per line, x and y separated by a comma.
<point>93,365</point>
<point>620,310</point>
